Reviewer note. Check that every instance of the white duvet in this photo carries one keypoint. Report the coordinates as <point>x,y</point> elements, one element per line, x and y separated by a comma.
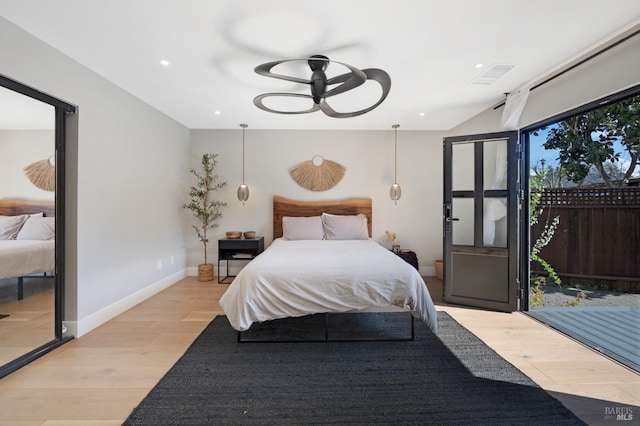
<point>296,278</point>
<point>19,258</point>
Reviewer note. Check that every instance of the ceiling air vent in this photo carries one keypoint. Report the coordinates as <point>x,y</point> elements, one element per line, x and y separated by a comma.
<point>492,73</point>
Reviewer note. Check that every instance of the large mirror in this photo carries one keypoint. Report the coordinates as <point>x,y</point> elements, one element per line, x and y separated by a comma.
<point>31,223</point>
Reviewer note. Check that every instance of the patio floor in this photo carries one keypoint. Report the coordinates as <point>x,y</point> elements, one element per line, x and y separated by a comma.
<point>613,331</point>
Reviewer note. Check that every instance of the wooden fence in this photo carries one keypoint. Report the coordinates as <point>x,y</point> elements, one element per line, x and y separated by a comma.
<point>598,236</point>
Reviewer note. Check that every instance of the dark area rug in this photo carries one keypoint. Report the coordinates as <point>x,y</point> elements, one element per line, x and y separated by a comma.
<point>452,378</point>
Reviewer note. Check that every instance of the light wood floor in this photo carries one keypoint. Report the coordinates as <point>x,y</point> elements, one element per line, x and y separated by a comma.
<point>99,378</point>
<point>30,323</point>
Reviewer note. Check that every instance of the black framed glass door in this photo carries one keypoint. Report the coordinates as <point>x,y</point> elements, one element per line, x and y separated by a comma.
<point>480,221</point>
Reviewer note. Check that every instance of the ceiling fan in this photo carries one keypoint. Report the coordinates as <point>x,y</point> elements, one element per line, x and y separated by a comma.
<point>321,85</point>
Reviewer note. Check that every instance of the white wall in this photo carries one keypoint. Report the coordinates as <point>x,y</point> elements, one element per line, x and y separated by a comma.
<point>18,149</point>
<point>125,184</point>
<point>368,157</point>
<point>609,73</point>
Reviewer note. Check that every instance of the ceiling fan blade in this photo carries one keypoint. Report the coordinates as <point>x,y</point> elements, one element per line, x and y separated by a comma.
<point>382,78</point>
<point>326,108</point>
<point>379,76</point>
<point>349,81</point>
<point>258,101</point>
<point>265,69</point>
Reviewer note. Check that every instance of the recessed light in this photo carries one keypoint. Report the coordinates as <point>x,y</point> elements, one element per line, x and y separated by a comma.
<point>421,114</point>
<point>479,65</point>
<point>164,63</point>
<point>217,112</point>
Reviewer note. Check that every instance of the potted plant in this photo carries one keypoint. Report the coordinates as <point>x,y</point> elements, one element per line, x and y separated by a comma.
<point>205,209</point>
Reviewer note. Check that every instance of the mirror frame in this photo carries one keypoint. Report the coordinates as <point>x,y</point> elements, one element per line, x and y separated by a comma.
<point>62,109</point>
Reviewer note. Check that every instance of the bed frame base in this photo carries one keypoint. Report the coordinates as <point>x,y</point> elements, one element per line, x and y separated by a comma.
<point>327,335</point>
<point>21,284</point>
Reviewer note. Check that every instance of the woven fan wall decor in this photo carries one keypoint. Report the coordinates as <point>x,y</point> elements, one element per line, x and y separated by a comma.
<point>42,174</point>
<point>318,174</point>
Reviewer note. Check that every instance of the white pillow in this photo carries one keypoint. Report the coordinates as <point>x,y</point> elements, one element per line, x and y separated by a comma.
<point>302,228</point>
<point>345,227</point>
<point>10,226</point>
<point>38,228</point>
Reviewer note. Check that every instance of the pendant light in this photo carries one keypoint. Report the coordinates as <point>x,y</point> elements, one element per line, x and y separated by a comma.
<point>395,192</point>
<point>243,190</point>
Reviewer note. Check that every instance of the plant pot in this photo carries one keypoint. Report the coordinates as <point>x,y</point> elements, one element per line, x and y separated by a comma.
<point>205,272</point>
<point>438,264</point>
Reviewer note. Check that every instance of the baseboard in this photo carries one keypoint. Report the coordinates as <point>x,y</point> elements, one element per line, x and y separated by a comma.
<point>107,313</point>
<point>427,271</point>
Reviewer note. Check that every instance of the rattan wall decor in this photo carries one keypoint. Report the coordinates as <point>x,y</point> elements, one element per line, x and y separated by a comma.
<point>42,174</point>
<point>318,174</point>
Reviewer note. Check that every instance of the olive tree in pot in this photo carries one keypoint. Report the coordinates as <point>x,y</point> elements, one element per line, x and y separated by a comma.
<point>204,208</point>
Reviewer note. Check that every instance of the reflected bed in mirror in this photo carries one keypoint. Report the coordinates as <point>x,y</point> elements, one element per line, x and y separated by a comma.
<point>27,264</point>
<point>27,239</point>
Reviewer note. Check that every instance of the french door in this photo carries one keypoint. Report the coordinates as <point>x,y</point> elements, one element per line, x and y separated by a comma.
<point>481,221</point>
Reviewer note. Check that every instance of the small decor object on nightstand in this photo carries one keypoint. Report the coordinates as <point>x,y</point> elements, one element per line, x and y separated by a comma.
<point>392,237</point>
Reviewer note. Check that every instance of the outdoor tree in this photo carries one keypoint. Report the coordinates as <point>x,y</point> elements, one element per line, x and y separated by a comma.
<point>624,123</point>
<point>587,140</point>
<point>550,177</point>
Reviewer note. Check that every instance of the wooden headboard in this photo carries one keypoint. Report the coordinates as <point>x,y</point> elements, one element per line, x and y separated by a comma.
<point>18,206</point>
<point>286,207</point>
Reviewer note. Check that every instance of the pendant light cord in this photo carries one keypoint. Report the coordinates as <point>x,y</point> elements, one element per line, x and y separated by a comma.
<point>244,126</point>
<point>395,154</point>
<point>243,155</point>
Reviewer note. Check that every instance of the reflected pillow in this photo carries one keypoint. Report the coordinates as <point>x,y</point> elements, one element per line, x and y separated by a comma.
<point>302,228</point>
<point>38,228</point>
<point>10,226</point>
<point>345,227</point>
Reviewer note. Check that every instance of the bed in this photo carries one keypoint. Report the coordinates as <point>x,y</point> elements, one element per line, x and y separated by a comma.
<point>27,239</point>
<point>296,277</point>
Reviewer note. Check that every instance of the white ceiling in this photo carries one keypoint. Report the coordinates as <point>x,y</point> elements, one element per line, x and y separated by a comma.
<point>429,48</point>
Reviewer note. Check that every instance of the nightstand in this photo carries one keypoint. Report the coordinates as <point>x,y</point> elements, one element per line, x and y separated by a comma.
<point>409,257</point>
<point>230,249</point>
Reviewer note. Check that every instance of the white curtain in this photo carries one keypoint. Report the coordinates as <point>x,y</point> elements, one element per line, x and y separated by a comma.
<point>496,209</point>
<point>513,108</point>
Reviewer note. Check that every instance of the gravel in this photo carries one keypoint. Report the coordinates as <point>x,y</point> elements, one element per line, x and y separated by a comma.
<point>555,296</point>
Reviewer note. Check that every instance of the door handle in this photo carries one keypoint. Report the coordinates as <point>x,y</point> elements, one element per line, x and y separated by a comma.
<point>447,214</point>
<point>448,219</point>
